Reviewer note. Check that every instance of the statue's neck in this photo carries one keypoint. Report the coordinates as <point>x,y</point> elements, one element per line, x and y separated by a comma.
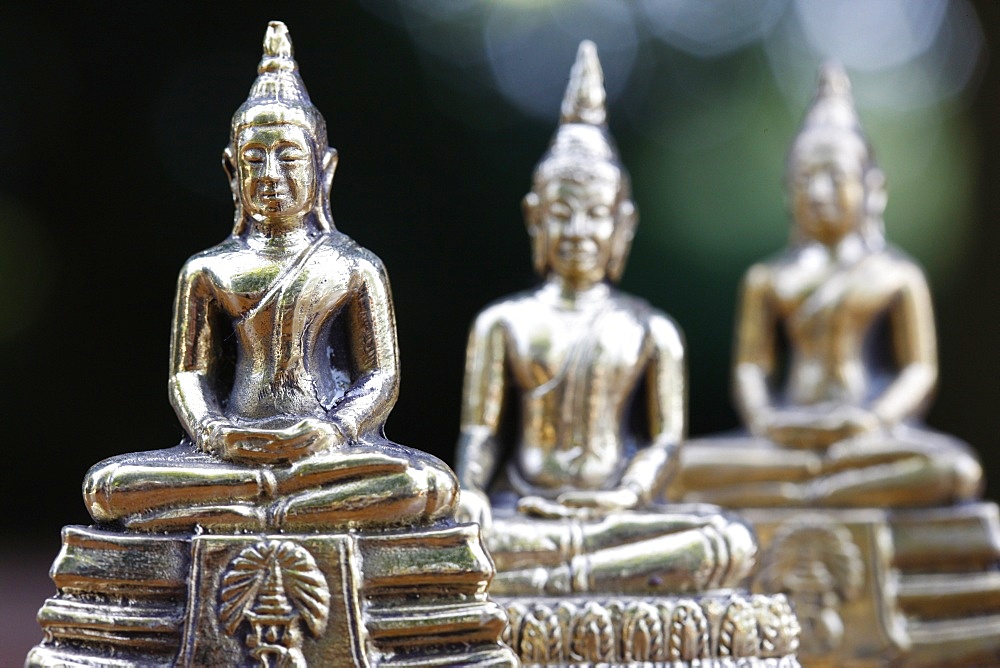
<point>279,234</point>
<point>570,295</point>
<point>846,250</point>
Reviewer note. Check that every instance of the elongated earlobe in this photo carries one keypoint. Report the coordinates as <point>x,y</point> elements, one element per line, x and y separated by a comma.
<point>229,164</point>
<point>875,192</point>
<point>621,242</point>
<point>876,198</point>
<point>328,165</point>
<point>531,207</point>
<point>330,160</point>
<point>233,176</point>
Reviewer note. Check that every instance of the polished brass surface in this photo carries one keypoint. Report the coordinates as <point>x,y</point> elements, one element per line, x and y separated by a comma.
<point>837,568</point>
<point>591,567</point>
<point>834,420</point>
<point>411,597</point>
<point>716,630</point>
<point>285,529</point>
<point>283,364</point>
<point>866,518</point>
<point>573,509</point>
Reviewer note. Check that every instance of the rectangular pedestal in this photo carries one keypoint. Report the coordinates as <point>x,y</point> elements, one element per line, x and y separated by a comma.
<point>392,599</point>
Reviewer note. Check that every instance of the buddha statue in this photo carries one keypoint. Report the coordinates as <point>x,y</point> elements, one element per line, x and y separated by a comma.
<point>283,362</point>
<point>285,529</point>
<point>597,381</point>
<point>835,351</point>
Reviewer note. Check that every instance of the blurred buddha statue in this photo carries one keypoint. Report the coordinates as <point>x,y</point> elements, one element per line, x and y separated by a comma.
<point>596,380</point>
<point>283,363</point>
<point>835,349</point>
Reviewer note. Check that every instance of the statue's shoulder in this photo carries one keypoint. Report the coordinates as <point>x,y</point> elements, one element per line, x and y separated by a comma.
<point>764,272</point>
<point>636,308</point>
<point>663,329</point>
<point>904,264</point>
<point>211,262</point>
<point>506,311</point>
<point>349,253</point>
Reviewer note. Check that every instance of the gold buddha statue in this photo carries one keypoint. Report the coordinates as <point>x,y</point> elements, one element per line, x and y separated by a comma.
<point>597,380</point>
<point>283,363</point>
<point>835,350</point>
<point>285,529</point>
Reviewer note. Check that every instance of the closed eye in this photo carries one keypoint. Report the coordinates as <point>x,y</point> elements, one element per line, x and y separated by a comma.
<point>560,211</point>
<point>253,155</point>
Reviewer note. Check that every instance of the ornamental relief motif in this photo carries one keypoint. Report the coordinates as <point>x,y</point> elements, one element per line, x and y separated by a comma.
<point>275,588</point>
<point>819,567</point>
<point>630,629</point>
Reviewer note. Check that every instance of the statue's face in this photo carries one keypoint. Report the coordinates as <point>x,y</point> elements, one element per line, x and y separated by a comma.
<point>277,170</point>
<point>826,185</point>
<point>579,215</point>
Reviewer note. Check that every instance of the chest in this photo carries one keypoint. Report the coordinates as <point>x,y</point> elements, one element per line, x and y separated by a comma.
<point>830,290</point>
<point>285,284</point>
<point>554,344</point>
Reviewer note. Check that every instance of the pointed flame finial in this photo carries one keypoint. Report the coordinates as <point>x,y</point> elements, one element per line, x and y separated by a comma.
<point>833,81</point>
<point>277,49</point>
<point>833,104</point>
<point>585,96</point>
<point>276,40</point>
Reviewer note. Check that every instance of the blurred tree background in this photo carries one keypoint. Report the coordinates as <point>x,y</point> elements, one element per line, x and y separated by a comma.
<point>115,116</point>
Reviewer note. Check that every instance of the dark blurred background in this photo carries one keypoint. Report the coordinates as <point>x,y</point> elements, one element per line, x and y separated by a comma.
<point>115,116</point>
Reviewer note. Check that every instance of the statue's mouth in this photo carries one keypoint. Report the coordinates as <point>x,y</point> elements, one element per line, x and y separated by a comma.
<point>578,250</point>
<point>825,212</point>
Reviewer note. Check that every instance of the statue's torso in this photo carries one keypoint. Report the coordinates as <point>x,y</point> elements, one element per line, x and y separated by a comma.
<point>280,310</point>
<point>828,311</point>
<point>575,372</point>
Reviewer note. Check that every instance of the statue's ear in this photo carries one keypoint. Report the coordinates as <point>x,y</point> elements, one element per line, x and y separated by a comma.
<point>876,196</point>
<point>229,165</point>
<point>621,241</point>
<point>232,174</point>
<point>872,225</point>
<point>329,165</point>
<point>531,205</point>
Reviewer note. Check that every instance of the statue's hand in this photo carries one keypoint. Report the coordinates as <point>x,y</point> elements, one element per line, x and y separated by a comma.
<point>855,421</point>
<point>818,427</point>
<point>273,445</point>
<point>601,499</point>
<point>794,428</point>
<point>583,504</point>
<point>474,506</point>
<point>538,506</point>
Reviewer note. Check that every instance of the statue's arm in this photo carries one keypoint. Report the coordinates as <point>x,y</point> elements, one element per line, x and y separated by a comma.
<point>666,384</point>
<point>371,326</point>
<point>482,401</point>
<point>754,363</point>
<point>193,351</point>
<point>915,348</point>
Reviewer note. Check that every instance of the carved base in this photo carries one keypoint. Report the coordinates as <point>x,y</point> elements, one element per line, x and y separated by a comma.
<point>724,630</point>
<point>413,598</point>
<point>878,587</point>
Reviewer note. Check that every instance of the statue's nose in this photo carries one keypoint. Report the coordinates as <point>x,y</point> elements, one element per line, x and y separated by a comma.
<point>577,226</point>
<point>271,173</point>
<point>821,187</point>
